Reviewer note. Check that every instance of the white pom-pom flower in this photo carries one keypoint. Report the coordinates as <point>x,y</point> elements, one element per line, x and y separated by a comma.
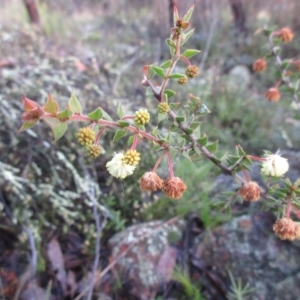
<point>118,168</point>
<point>274,165</point>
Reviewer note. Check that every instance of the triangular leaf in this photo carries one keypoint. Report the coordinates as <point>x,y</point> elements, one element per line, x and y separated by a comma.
<point>170,93</point>
<point>123,124</point>
<point>51,121</point>
<point>27,125</point>
<point>203,141</point>
<point>189,13</point>
<point>105,115</point>
<point>130,140</point>
<point>51,105</point>
<point>96,114</point>
<point>212,147</point>
<point>74,104</point>
<point>29,104</point>
<point>120,112</point>
<point>190,53</point>
<point>177,75</point>
<point>167,64</point>
<point>59,130</point>
<point>65,114</point>
<point>159,71</point>
<point>187,36</point>
<point>119,134</point>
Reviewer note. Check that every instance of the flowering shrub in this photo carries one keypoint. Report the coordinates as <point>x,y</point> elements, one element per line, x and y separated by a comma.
<point>180,133</point>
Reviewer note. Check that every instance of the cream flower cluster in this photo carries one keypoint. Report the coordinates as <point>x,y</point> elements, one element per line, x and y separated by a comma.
<point>118,168</point>
<point>274,165</point>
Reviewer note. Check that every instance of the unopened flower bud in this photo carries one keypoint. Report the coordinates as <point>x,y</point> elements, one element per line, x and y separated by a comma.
<point>286,229</point>
<point>192,71</point>
<point>274,165</point>
<point>250,191</point>
<point>93,150</point>
<point>286,34</point>
<point>163,108</point>
<point>174,187</point>
<point>150,182</point>
<point>141,117</point>
<point>259,65</point>
<point>272,95</point>
<point>85,136</point>
<point>131,157</point>
<point>182,80</point>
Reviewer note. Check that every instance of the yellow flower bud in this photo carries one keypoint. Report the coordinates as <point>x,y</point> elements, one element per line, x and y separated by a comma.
<point>131,157</point>
<point>141,117</point>
<point>85,136</point>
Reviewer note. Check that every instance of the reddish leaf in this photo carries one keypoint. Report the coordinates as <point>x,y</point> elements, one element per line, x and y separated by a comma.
<point>33,115</point>
<point>29,104</point>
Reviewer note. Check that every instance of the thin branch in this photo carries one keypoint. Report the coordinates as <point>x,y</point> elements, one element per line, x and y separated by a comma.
<point>98,277</point>
<point>98,228</point>
<point>211,31</point>
<point>285,79</point>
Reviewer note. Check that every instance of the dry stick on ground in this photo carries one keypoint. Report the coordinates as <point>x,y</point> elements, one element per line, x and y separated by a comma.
<point>98,277</point>
<point>99,228</point>
<point>285,79</point>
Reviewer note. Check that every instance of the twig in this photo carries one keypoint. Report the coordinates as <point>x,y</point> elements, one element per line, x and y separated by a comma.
<point>211,31</point>
<point>192,137</point>
<point>98,228</point>
<point>34,254</point>
<point>98,277</point>
<point>123,69</point>
<point>285,79</point>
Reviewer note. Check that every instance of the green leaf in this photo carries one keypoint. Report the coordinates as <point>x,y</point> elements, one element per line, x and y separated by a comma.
<point>186,155</point>
<point>179,119</point>
<point>130,140</point>
<point>120,112</point>
<point>123,124</point>
<point>159,71</point>
<point>59,130</point>
<point>119,134</point>
<point>177,75</point>
<point>155,131</point>
<point>212,147</point>
<point>74,104</point>
<point>171,45</point>
<point>285,64</point>
<point>51,106</point>
<point>189,130</point>
<point>189,13</point>
<point>195,125</point>
<point>51,121</point>
<point>96,114</point>
<point>105,115</point>
<point>203,141</point>
<point>162,117</point>
<point>166,65</point>
<point>26,125</point>
<point>190,53</point>
<point>65,114</point>
<point>170,93</point>
<point>203,110</point>
<point>187,36</point>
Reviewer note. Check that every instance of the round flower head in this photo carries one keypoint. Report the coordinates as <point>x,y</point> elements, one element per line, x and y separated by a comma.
<point>274,165</point>
<point>85,136</point>
<point>286,34</point>
<point>250,191</point>
<point>131,157</point>
<point>163,108</point>
<point>272,95</point>
<point>259,65</point>
<point>286,229</point>
<point>192,71</point>
<point>93,150</point>
<point>174,187</point>
<point>118,168</point>
<point>141,117</point>
<point>182,80</point>
<point>150,182</point>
